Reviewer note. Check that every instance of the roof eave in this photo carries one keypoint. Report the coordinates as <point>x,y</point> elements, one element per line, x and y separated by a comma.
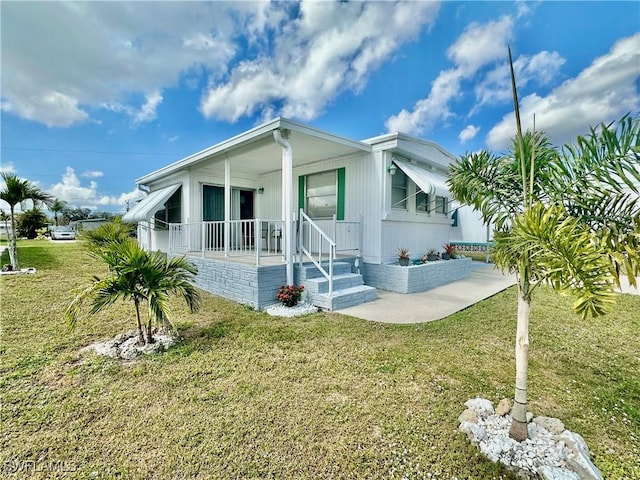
<point>245,137</point>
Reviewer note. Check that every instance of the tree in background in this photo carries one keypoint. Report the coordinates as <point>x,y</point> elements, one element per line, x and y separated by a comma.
<point>4,218</point>
<point>30,222</point>
<point>16,191</point>
<point>75,214</point>
<point>568,218</point>
<point>58,206</point>
<point>139,276</point>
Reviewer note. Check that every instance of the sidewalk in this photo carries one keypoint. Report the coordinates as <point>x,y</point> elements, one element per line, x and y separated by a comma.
<point>391,307</point>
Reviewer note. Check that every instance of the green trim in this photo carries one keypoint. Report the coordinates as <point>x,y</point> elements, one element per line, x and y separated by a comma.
<point>301,192</point>
<point>341,193</point>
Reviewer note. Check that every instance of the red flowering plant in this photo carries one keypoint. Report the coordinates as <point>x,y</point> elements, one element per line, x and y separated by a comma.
<point>288,295</point>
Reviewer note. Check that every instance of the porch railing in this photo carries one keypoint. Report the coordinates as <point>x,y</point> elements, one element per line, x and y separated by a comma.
<point>310,235</point>
<point>245,237</point>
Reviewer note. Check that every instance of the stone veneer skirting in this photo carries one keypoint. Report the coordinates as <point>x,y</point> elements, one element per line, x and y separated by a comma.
<point>246,284</point>
<point>415,278</point>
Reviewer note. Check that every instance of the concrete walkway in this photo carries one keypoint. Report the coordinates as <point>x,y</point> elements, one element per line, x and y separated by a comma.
<point>391,307</point>
<point>485,281</point>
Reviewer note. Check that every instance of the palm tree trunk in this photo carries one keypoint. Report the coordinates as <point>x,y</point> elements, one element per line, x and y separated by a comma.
<point>140,335</point>
<point>149,333</point>
<point>13,246</point>
<point>519,429</point>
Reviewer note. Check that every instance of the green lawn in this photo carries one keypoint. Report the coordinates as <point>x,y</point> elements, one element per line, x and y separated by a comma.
<point>245,395</point>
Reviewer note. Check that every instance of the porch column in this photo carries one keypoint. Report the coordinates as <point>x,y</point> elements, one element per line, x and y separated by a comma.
<point>281,137</point>
<point>227,206</point>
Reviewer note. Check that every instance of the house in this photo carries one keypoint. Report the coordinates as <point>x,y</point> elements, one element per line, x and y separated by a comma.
<point>87,224</point>
<point>286,203</point>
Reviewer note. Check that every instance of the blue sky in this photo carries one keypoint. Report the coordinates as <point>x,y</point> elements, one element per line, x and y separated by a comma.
<point>97,94</point>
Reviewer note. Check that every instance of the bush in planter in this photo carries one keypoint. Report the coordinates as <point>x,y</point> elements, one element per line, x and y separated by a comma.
<point>432,255</point>
<point>289,295</point>
<point>449,251</point>
<point>403,257</point>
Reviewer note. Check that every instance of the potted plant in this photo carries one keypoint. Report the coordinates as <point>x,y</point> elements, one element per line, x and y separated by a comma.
<point>403,257</point>
<point>449,251</point>
<point>432,255</point>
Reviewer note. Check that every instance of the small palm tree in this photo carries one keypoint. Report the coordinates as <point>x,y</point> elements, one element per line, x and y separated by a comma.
<point>57,207</point>
<point>142,277</point>
<point>114,231</point>
<point>16,191</point>
<point>570,219</point>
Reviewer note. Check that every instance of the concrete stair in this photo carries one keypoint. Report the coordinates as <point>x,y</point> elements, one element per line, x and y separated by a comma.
<point>348,288</point>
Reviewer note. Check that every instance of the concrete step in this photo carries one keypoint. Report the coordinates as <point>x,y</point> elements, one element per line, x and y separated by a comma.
<point>309,270</point>
<point>341,281</point>
<point>347,297</point>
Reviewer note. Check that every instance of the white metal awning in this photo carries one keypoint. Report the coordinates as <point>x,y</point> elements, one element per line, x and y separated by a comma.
<point>428,181</point>
<point>144,209</point>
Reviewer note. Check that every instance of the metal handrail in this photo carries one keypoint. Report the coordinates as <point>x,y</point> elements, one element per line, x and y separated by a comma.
<point>306,251</point>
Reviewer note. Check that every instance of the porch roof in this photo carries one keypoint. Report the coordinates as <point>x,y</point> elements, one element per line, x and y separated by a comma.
<point>144,209</point>
<point>260,154</point>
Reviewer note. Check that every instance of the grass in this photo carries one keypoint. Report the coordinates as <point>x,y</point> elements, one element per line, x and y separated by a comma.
<point>245,395</point>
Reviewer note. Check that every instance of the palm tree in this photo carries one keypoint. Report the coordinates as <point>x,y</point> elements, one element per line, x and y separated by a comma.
<point>569,218</point>
<point>140,276</point>
<point>102,237</point>
<point>15,191</point>
<point>57,207</point>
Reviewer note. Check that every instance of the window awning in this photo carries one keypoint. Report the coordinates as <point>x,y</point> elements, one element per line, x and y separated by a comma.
<point>145,209</point>
<point>429,182</point>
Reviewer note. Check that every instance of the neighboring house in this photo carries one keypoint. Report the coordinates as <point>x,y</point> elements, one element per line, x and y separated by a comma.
<point>87,224</point>
<point>254,211</point>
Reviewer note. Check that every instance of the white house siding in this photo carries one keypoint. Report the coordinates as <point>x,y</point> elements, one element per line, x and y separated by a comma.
<point>269,203</point>
<point>470,227</point>
<point>362,194</point>
<point>417,231</point>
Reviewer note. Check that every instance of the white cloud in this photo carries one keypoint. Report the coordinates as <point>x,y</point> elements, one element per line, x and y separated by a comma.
<point>7,167</point>
<point>92,174</point>
<point>54,109</point>
<point>62,61</point>
<point>71,190</point>
<point>469,132</point>
<point>495,86</point>
<point>602,92</point>
<point>173,139</point>
<point>328,49</point>
<point>148,110</point>
<point>478,46</point>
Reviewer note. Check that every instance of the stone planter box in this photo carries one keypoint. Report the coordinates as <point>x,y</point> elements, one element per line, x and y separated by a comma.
<point>416,278</point>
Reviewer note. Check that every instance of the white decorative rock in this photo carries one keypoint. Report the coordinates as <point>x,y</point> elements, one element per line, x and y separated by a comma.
<point>547,472</point>
<point>552,424</point>
<point>482,407</point>
<point>474,432</point>
<point>543,455</point>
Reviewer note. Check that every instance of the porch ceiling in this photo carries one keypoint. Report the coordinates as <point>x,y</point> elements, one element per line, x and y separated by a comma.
<point>264,155</point>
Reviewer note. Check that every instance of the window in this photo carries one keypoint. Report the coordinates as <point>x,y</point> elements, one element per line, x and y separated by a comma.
<point>441,204</point>
<point>399,190</point>
<point>322,195</point>
<point>322,198</point>
<point>422,202</point>
<point>171,213</point>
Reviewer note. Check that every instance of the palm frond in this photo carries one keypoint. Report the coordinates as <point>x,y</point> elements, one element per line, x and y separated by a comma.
<point>557,249</point>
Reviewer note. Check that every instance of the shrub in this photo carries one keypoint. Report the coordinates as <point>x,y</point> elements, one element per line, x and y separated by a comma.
<point>289,295</point>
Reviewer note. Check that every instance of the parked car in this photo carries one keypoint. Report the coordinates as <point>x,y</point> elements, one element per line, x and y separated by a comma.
<point>63,232</point>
